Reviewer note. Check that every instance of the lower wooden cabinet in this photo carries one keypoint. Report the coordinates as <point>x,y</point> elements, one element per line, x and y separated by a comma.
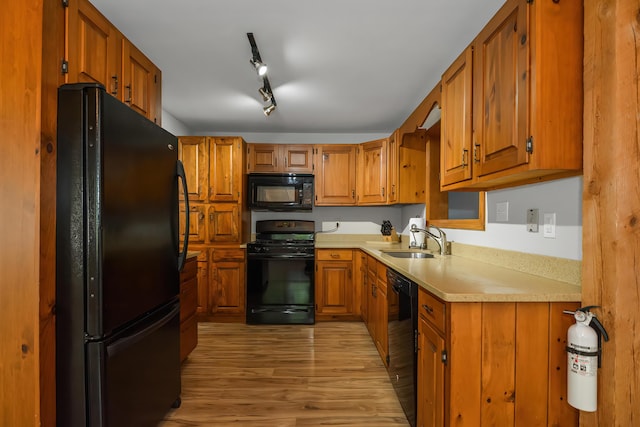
<point>188,304</point>
<point>221,284</point>
<point>492,363</point>
<point>334,285</point>
<point>431,364</point>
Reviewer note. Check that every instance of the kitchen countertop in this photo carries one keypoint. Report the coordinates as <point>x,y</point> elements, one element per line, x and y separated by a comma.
<point>457,279</point>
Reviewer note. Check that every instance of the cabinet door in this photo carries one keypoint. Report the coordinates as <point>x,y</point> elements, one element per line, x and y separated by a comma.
<point>225,169</point>
<point>262,158</point>
<point>334,287</point>
<point>228,277</point>
<point>501,81</point>
<point>372,172</point>
<point>196,232</point>
<point>430,376</point>
<point>92,48</point>
<point>382,320</point>
<point>335,176</point>
<point>224,223</point>
<point>203,282</point>
<point>297,158</point>
<point>141,82</point>
<point>192,150</point>
<point>393,159</point>
<point>456,130</point>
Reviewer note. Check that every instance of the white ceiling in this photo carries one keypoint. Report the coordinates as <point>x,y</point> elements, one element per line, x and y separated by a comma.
<point>335,66</point>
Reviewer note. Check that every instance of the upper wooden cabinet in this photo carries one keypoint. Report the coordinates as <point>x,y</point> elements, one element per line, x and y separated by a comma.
<point>410,162</point>
<point>335,175</point>
<point>225,169</point>
<point>275,158</point>
<point>214,169</point>
<point>372,173</point>
<point>192,150</point>
<point>141,82</point>
<point>456,129</point>
<point>393,153</point>
<point>527,98</point>
<point>93,49</point>
<point>98,53</point>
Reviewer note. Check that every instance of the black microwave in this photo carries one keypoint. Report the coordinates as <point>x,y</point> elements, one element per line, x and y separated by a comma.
<point>280,192</point>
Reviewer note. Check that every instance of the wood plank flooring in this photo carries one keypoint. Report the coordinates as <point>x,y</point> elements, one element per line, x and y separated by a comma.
<point>285,376</point>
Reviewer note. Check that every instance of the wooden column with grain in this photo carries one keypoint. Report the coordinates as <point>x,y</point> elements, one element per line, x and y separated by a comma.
<point>611,203</point>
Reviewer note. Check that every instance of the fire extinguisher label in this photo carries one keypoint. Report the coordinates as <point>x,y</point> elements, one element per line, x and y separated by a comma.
<point>583,365</point>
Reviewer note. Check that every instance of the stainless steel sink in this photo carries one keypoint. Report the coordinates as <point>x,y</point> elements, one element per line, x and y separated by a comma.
<point>400,254</point>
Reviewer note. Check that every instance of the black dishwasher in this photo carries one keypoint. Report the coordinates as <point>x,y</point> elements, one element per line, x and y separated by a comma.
<point>403,336</point>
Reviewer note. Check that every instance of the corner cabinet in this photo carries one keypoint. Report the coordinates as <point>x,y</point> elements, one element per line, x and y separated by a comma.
<point>279,158</point>
<point>97,52</point>
<point>335,175</point>
<point>527,99</point>
<point>492,363</point>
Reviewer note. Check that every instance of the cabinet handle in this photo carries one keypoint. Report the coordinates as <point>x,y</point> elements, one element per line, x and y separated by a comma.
<point>210,217</point>
<point>334,256</point>
<point>427,308</point>
<point>382,191</point>
<point>128,100</point>
<point>476,149</point>
<point>201,216</point>
<point>393,189</point>
<point>114,92</point>
<point>285,162</point>
<point>353,194</point>
<point>275,163</point>
<point>464,157</point>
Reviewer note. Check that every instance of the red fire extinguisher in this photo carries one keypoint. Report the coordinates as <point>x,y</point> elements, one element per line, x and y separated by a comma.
<point>584,350</point>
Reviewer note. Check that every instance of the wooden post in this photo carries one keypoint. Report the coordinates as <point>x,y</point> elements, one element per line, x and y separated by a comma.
<point>20,125</point>
<point>611,202</point>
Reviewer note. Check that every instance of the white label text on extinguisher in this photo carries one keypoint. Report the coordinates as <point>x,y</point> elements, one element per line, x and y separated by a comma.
<point>583,365</point>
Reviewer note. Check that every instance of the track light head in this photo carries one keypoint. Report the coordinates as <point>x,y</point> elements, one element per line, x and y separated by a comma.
<point>268,110</point>
<point>260,67</point>
<point>266,94</point>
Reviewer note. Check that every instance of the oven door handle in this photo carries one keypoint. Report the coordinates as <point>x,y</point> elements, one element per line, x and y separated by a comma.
<point>280,256</point>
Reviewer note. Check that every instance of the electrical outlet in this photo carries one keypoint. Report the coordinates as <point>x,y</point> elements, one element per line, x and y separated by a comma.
<point>549,228</point>
<point>532,220</point>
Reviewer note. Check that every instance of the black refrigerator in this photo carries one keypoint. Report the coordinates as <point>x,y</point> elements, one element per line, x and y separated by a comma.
<point>117,263</point>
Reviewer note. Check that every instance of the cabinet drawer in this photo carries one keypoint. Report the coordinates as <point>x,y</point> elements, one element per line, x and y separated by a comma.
<point>228,254</point>
<point>431,309</point>
<point>188,298</point>
<point>189,270</point>
<point>334,255</point>
<point>188,337</point>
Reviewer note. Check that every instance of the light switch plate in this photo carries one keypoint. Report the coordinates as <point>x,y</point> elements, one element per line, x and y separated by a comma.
<point>549,228</point>
<point>502,212</point>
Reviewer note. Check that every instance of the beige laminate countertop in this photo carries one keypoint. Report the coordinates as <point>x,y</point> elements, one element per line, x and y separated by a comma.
<point>457,279</point>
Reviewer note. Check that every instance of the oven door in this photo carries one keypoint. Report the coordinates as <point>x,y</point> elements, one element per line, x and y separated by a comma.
<point>280,289</point>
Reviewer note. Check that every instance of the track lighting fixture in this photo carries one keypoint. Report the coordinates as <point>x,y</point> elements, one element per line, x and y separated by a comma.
<point>266,95</point>
<point>261,68</point>
<point>268,110</point>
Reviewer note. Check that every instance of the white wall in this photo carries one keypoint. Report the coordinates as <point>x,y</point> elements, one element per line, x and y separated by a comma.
<point>173,125</point>
<point>562,197</point>
<point>303,138</point>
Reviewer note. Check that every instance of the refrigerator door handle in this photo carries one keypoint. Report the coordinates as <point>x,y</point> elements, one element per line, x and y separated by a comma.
<point>183,178</point>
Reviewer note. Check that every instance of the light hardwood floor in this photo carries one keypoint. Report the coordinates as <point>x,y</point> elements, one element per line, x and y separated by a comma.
<point>326,374</point>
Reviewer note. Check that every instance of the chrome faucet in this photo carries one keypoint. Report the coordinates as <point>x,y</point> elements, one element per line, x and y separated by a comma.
<point>441,238</point>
